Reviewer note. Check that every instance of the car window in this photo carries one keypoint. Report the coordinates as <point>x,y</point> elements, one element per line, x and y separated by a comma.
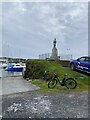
<point>82,59</point>
<point>17,65</point>
<point>87,59</point>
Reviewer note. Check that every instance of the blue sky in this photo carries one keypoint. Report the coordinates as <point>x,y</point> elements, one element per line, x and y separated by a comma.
<point>29,28</point>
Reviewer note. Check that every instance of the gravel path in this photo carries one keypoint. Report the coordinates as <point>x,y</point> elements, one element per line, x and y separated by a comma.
<point>45,105</point>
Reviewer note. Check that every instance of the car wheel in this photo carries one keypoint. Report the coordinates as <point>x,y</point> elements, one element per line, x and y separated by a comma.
<point>72,67</point>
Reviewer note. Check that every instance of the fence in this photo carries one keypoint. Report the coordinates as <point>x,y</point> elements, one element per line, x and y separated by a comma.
<point>62,56</point>
<point>44,56</point>
<point>65,57</point>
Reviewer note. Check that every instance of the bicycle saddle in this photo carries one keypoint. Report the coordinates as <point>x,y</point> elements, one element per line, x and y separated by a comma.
<point>65,74</point>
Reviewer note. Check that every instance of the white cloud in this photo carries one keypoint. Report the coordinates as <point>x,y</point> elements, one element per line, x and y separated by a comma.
<point>34,25</point>
<point>45,0</point>
<point>19,6</point>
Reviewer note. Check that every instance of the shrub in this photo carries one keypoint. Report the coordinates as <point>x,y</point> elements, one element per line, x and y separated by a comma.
<point>34,69</point>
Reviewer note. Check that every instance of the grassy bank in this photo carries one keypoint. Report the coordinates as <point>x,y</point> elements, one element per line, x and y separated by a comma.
<point>53,66</point>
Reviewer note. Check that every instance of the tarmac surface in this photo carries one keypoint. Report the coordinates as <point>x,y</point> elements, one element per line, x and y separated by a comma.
<point>45,105</point>
<point>11,85</point>
<point>21,99</point>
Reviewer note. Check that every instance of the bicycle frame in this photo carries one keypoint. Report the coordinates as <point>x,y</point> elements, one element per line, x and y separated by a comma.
<point>60,82</point>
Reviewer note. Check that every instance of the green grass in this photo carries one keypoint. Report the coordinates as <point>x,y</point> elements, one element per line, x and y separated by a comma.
<point>82,85</point>
<point>52,66</point>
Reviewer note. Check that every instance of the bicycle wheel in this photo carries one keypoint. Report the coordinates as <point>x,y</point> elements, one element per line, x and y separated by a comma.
<point>52,83</point>
<point>70,83</point>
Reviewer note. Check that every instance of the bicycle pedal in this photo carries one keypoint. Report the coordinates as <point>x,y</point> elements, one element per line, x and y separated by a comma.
<point>62,84</point>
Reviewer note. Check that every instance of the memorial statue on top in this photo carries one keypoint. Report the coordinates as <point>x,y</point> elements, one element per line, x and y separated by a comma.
<point>54,43</point>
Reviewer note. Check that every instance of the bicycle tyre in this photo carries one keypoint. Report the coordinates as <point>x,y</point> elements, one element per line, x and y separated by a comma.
<point>70,83</point>
<point>52,83</point>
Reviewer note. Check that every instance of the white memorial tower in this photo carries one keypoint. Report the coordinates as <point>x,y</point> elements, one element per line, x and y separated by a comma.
<point>54,55</point>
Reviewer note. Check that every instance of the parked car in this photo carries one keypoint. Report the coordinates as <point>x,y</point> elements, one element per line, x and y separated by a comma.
<point>82,64</point>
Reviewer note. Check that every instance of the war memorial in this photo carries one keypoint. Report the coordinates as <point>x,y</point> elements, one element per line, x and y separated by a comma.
<point>54,54</point>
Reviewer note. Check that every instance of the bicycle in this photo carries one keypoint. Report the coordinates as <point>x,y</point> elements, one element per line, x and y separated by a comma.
<point>69,83</point>
<point>46,76</point>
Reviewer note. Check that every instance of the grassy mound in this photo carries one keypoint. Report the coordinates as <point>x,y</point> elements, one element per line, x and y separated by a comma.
<point>38,67</point>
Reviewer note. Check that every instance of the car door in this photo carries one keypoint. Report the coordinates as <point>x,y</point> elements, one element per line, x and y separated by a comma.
<point>87,64</point>
<point>82,63</point>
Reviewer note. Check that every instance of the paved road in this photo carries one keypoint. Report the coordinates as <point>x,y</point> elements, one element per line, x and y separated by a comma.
<point>11,85</point>
<point>20,100</point>
<point>45,105</point>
